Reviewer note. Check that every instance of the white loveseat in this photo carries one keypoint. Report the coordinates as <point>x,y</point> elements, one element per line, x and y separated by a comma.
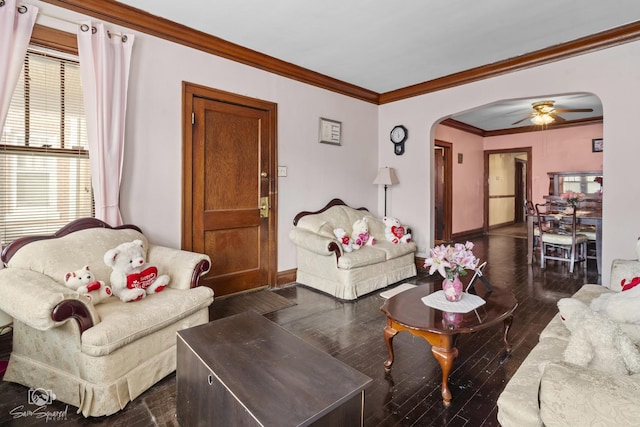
<point>95,358</point>
<point>323,265</point>
<point>545,390</point>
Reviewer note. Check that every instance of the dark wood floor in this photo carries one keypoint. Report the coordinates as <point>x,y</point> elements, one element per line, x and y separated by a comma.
<point>352,332</point>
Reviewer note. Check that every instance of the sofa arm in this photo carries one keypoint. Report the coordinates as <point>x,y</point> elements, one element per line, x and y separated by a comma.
<point>40,302</point>
<point>315,243</point>
<point>571,394</point>
<point>183,267</point>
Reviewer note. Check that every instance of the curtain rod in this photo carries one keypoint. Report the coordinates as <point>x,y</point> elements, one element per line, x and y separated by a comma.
<point>84,27</point>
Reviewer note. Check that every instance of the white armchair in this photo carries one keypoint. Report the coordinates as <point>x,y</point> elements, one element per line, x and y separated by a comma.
<point>96,358</point>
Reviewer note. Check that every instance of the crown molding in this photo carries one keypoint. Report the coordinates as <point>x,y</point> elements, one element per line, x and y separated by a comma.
<point>452,123</point>
<point>616,36</point>
<point>136,19</point>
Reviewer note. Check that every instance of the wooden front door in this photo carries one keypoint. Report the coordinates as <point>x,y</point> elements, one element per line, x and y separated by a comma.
<point>230,188</point>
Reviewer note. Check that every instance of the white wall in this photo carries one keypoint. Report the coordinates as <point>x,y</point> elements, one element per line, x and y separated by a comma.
<point>612,74</point>
<point>151,185</point>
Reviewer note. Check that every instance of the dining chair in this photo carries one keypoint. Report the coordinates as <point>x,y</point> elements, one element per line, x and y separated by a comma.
<point>559,239</point>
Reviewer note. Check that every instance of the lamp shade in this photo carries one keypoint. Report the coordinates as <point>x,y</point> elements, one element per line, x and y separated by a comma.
<point>386,176</point>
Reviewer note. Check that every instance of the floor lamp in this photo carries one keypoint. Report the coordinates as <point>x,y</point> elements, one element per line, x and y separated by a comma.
<point>386,176</point>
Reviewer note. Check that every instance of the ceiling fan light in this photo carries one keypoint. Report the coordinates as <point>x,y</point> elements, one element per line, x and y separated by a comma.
<point>542,119</point>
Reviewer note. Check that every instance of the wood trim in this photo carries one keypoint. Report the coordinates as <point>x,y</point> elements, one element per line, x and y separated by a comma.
<point>77,225</point>
<point>136,19</point>
<point>287,277</point>
<point>334,202</point>
<point>503,196</point>
<point>504,224</point>
<point>54,39</point>
<point>567,124</point>
<point>616,36</point>
<point>466,235</point>
<point>452,123</point>
<point>191,91</point>
<point>447,233</point>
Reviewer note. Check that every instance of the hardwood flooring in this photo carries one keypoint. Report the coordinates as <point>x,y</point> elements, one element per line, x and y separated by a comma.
<point>352,332</point>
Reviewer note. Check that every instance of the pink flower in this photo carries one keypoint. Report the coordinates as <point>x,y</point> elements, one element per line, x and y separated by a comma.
<point>572,197</point>
<point>450,261</point>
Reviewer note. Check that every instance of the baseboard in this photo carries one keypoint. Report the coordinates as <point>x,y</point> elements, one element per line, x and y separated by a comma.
<point>503,224</point>
<point>286,277</point>
<point>466,235</point>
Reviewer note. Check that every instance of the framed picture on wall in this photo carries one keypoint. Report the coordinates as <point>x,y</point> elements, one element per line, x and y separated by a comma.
<point>330,131</point>
<point>596,145</point>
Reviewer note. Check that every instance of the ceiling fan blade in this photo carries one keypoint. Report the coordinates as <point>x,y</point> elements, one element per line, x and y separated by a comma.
<point>521,120</point>
<point>557,118</point>
<point>574,110</point>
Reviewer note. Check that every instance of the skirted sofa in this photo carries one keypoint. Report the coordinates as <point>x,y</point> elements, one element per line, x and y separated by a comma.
<point>324,265</point>
<point>546,390</point>
<point>97,358</point>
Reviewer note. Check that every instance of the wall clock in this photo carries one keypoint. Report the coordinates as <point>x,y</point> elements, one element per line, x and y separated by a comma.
<point>399,134</point>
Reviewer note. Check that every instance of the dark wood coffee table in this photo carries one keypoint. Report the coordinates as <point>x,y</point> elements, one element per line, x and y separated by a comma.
<point>406,312</point>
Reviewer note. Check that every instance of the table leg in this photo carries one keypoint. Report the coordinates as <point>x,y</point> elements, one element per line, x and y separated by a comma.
<point>507,325</point>
<point>445,357</point>
<point>389,333</point>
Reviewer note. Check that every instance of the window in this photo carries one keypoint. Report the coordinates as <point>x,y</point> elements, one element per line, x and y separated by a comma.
<point>45,175</point>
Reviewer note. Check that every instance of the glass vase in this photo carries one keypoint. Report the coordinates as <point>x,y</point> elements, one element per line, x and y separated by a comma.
<point>452,289</point>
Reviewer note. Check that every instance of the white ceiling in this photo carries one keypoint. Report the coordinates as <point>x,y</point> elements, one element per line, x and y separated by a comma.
<point>384,45</point>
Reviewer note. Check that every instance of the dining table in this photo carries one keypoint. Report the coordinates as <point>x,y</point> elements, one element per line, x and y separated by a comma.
<point>592,217</point>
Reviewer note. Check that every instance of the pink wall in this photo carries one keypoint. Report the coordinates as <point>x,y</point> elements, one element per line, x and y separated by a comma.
<point>468,191</point>
<point>566,149</point>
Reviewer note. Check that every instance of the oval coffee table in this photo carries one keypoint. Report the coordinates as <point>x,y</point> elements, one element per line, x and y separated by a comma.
<point>406,312</point>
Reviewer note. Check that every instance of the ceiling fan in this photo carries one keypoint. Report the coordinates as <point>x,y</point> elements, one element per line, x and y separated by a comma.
<point>544,113</point>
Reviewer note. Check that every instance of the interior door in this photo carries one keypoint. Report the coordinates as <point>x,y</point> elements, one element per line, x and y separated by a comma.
<point>520,190</point>
<point>232,191</point>
<point>442,191</point>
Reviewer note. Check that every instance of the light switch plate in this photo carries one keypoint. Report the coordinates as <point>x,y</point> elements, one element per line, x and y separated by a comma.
<point>282,171</point>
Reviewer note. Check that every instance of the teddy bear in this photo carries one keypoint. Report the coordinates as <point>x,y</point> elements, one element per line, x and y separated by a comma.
<point>360,235</point>
<point>131,278</point>
<point>596,341</point>
<point>394,231</point>
<point>83,281</point>
<point>620,306</point>
<point>343,238</point>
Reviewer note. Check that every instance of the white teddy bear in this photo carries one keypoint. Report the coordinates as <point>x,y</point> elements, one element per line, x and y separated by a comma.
<point>83,281</point>
<point>132,278</point>
<point>360,235</point>
<point>343,238</point>
<point>394,231</point>
<point>621,306</point>
<point>596,341</point>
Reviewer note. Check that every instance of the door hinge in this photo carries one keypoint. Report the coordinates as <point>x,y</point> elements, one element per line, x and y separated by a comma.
<point>193,118</point>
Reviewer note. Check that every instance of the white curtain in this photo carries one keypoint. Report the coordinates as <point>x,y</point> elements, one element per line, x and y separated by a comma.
<point>104,70</point>
<point>16,25</point>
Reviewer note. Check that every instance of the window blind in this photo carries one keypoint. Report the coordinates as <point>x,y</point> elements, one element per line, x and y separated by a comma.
<point>45,175</point>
